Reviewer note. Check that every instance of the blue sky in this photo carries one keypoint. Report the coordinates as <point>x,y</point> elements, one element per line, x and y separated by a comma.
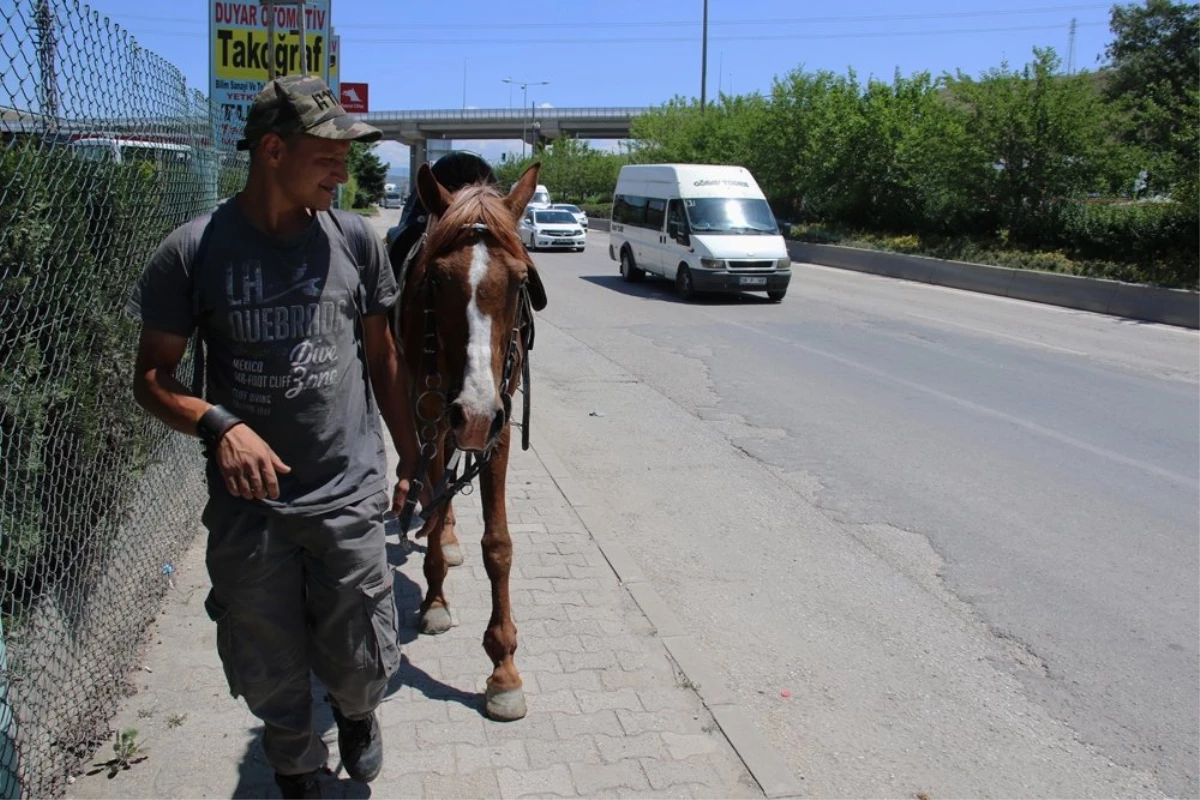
<point>415,55</point>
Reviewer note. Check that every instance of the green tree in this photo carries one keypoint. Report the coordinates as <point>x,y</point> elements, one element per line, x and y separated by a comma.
<point>1036,138</point>
<point>571,169</point>
<point>369,174</point>
<point>1154,83</point>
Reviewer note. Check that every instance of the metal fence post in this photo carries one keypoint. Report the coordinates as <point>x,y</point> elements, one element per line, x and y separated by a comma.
<point>10,782</point>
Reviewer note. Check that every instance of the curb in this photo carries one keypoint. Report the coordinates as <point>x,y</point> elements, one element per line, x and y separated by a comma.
<point>1115,298</point>
<point>764,765</point>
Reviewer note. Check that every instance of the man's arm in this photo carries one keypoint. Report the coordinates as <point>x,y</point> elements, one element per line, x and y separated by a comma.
<point>155,386</point>
<point>247,463</point>
<point>390,382</point>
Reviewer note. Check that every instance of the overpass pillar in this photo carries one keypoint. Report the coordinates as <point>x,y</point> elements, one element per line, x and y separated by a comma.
<point>417,155</point>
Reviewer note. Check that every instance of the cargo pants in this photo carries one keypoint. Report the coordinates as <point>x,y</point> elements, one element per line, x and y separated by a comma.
<point>292,594</point>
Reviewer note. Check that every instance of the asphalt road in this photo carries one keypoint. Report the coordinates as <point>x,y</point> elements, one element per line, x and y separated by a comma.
<point>961,531</point>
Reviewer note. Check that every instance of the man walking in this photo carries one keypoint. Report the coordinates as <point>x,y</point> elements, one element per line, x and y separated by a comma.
<point>292,302</point>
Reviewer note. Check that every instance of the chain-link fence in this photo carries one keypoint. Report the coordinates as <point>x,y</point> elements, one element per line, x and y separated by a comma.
<point>103,150</point>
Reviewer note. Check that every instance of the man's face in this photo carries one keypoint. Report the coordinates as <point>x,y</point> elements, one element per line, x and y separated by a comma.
<point>309,169</point>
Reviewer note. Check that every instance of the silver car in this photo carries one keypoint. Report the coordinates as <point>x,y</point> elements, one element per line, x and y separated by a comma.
<point>580,215</point>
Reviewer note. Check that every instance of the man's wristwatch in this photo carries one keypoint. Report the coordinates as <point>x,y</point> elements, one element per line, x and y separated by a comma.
<point>213,426</point>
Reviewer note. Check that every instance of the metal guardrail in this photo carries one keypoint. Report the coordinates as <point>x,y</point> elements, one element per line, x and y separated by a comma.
<point>503,114</point>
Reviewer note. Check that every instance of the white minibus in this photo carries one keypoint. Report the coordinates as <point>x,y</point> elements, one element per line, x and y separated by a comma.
<point>706,227</point>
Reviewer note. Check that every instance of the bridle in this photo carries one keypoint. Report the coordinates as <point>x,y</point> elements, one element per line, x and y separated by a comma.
<point>429,426</point>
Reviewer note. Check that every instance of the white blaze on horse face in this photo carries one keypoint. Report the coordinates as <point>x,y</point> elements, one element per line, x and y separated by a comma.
<point>479,386</point>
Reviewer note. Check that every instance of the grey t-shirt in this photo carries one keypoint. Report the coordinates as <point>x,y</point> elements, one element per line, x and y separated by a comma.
<point>279,317</point>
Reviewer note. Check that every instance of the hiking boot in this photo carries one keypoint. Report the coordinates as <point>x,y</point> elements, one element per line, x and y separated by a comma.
<point>303,785</point>
<point>361,744</point>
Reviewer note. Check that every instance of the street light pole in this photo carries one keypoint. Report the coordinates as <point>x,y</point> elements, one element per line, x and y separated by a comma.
<point>704,60</point>
<point>524,101</point>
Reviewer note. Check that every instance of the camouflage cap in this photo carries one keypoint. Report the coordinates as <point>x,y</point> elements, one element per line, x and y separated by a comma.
<point>302,104</point>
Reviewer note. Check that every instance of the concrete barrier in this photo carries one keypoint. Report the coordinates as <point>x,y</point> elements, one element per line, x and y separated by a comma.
<point>1146,303</point>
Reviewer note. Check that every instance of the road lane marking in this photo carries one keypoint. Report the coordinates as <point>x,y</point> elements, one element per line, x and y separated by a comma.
<point>986,332</point>
<point>1032,427</point>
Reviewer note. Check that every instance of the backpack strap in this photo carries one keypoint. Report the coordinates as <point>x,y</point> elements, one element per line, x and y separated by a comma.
<point>355,245</point>
<point>360,257</point>
<point>199,253</point>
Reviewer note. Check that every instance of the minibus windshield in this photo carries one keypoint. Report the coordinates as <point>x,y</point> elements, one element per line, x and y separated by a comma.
<point>740,215</point>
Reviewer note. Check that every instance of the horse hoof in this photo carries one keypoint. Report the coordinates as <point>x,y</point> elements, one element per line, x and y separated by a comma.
<point>436,620</point>
<point>453,555</point>
<point>506,706</point>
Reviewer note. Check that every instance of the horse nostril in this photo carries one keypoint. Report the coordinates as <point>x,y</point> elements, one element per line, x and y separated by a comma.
<point>457,417</point>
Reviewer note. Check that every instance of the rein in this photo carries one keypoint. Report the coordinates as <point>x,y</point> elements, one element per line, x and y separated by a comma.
<point>452,481</point>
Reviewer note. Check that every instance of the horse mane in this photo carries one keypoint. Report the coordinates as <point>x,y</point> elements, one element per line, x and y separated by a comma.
<point>474,204</point>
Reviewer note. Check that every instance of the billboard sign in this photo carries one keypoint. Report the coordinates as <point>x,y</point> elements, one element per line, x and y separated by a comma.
<point>239,53</point>
<point>333,79</point>
<point>354,98</point>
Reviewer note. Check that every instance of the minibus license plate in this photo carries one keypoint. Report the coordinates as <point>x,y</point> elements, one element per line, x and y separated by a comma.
<point>746,281</point>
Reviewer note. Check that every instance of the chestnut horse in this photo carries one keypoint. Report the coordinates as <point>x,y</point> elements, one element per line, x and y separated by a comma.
<point>466,313</point>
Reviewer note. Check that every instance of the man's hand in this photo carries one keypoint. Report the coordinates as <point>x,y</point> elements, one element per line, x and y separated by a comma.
<point>400,495</point>
<point>248,464</point>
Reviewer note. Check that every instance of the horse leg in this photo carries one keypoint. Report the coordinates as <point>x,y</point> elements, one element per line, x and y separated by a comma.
<point>435,611</point>
<point>451,549</point>
<point>505,697</point>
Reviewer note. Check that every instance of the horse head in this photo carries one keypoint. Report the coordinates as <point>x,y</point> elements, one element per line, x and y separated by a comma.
<point>469,285</point>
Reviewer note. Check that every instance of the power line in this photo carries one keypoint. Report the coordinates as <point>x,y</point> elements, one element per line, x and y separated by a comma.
<point>677,23</point>
<point>741,22</point>
<point>679,39</point>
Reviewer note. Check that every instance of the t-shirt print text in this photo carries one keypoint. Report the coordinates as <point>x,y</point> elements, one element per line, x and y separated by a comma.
<point>293,327</point>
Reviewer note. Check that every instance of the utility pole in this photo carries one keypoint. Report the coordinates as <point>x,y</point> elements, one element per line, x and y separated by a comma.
<point>1071,50</point>
<point>303,36</point>
<point>47,62</point>
<point>704,60</point>
<point>270,40</point>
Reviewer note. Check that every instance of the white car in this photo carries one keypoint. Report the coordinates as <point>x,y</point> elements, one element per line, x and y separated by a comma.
<point>551,227</point>
<point>580,215</point>
<point>393,200</point>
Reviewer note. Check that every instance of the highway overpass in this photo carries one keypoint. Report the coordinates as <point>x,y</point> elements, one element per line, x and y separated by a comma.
<point>532,125</point>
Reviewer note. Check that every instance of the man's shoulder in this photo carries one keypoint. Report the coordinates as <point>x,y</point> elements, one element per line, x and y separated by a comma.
<point>193,228</point>
<point>184,242</point>
<point>350,224</point>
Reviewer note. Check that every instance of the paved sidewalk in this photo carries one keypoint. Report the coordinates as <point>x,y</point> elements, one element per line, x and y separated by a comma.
<point>610,713</point>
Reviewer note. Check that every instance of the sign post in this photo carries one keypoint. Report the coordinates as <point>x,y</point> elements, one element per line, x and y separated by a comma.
<point>303,37</point>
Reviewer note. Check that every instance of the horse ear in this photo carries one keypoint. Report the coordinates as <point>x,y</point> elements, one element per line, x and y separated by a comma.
<point>522,191</point>
<point>434,196</point>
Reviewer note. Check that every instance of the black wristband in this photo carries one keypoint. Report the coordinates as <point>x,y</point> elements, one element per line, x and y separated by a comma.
<point>215,423</point>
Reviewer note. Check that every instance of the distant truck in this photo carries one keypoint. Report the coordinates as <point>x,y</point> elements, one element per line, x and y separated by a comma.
<point>706,227</point>
<point>540,199</point>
